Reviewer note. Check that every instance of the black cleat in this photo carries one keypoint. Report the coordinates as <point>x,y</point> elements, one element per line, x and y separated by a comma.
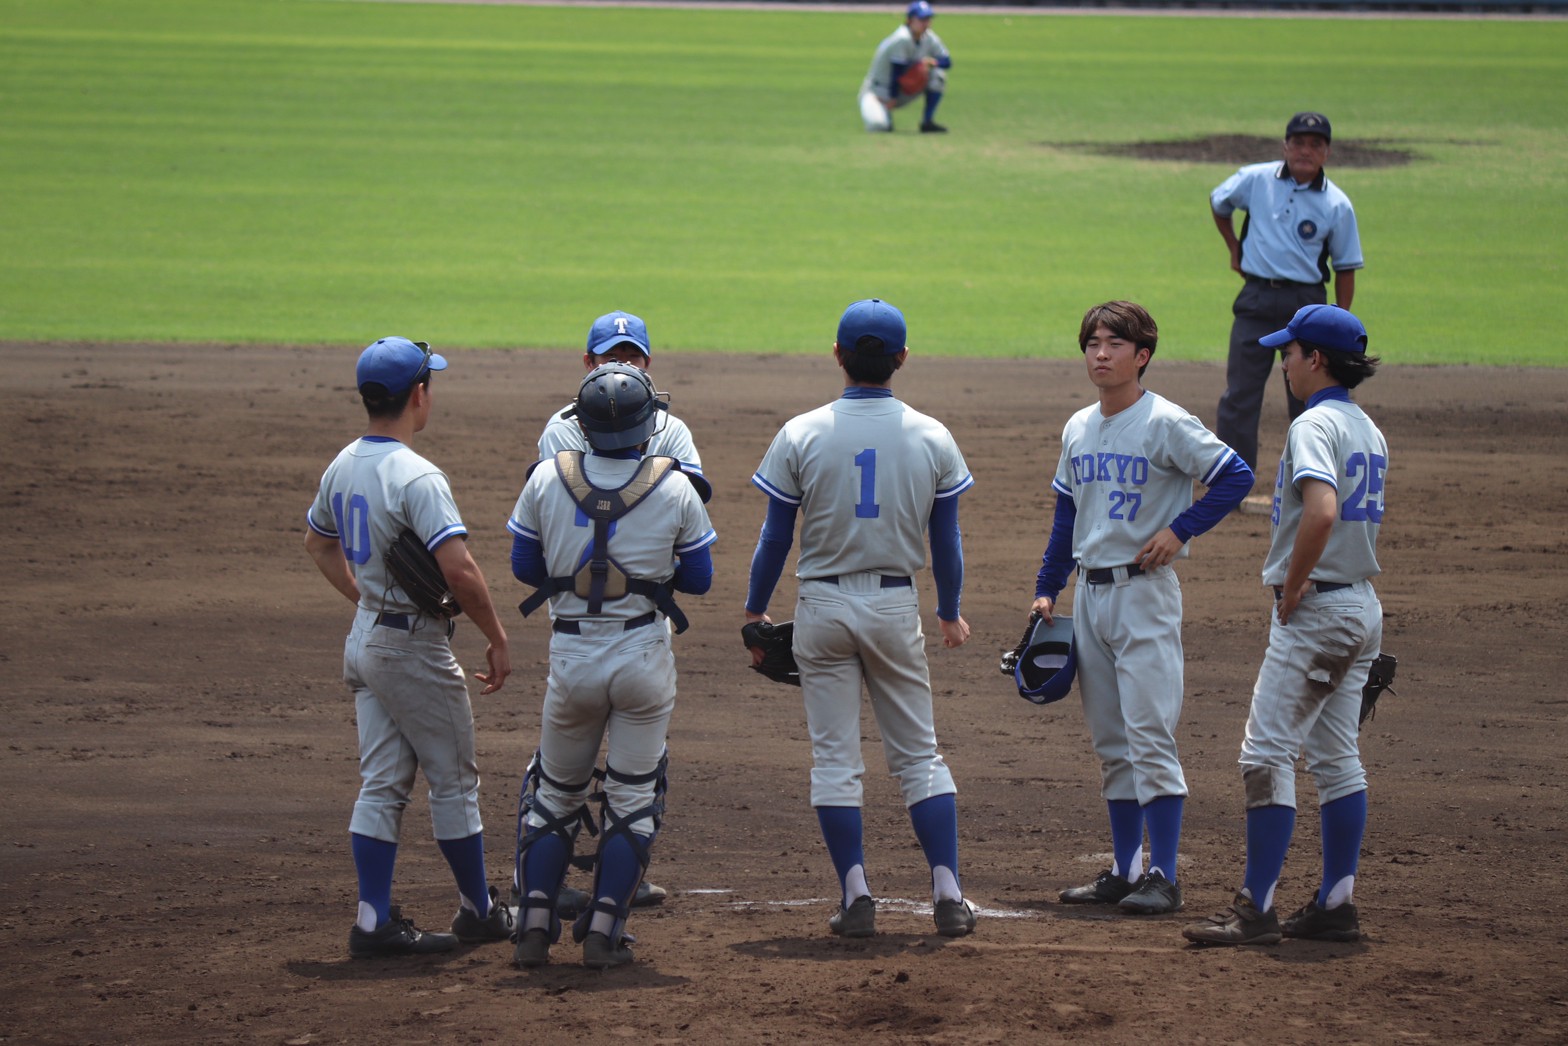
<point>397,936</point>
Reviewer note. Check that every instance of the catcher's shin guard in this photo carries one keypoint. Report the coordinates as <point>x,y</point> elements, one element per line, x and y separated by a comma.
<point>544,874</point>
<point>616,826</point>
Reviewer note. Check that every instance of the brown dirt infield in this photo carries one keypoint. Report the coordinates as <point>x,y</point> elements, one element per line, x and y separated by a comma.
<point>179,765</point>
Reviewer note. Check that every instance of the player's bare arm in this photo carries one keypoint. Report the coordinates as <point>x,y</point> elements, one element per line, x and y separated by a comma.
<point>468,585</point>
<point>1319,507</point>
<point>1344,288</point>
<point>328,556</point>
<point>1227,228</point>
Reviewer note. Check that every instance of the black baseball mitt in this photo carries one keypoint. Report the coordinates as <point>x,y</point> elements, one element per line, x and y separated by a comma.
<point>777,645</point>
<point>1010,657</point>
<point>1379,679</point>
<point>414,568</point>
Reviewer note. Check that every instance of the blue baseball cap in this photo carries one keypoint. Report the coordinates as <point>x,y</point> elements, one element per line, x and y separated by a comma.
<point>875,318</point>
<point>1326,325</point>
<point>396,363</point>
<point>919,9</point>
<point>618,328</point>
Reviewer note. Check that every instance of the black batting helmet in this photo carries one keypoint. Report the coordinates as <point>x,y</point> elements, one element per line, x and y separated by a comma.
<point>618,407</point>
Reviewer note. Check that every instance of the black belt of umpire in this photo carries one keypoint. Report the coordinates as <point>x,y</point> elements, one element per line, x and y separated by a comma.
<point>1106,575</point>
<point>1317,586</point>
<point>569,627</point>
<point>1271,282</point>
<point>888,580</point>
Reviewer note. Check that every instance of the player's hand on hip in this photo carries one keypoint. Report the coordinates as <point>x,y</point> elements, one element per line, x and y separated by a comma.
<point>1160,550</point>
<point>1045,606</point>
<point>954,633</point>
<point>1287,603</point>
<point>500,661</point>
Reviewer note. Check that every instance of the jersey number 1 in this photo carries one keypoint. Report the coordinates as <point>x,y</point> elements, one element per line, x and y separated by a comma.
<point>866,507</point>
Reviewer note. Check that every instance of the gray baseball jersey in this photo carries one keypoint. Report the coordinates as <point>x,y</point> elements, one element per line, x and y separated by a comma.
<point>641,542</point>
<point>373,489</point>
<point>672,440</point>
<point>900,48</point>
<point>1130,475</point>
<point>1337,443</point>
<point>875,467</point>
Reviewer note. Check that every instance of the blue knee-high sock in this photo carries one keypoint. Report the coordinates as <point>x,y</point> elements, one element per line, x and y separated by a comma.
<point>933,99</point>
<point>1163,816</point>
<point>466,857</point>
<point>842,831</point>
<point>1126,834</point>
<point>1344,823</point>
<point>544,864</point>
<point>1269,829</point>
<point>374,860</point>
<point>936,826</point>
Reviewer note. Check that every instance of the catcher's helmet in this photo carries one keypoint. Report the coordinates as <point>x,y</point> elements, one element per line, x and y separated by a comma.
<point>618,407</point>
<point>1048,663</point>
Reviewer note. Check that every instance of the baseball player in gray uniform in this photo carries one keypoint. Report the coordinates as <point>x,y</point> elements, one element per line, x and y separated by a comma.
<point>1124,515</point>
<point>1324,633</point>
<point>911,44</point>
<point>1298,224</point>
<point>620,337</point>
<point>612,671</point>
<point>869,477</point>
<point>410,697</point>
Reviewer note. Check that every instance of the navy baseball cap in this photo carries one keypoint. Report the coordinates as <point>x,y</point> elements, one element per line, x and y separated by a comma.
<point>1326,325</point>
<point>875,318</point>
<point>618,328</point>
<point>396,363</point>
<point>1310,123</point>
<point>919,9</point>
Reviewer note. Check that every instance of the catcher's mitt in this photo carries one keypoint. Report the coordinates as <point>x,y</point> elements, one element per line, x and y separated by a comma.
<point>414,568</point>
<point>914,79</point>
<point>1379,679</point>
<point>777,645</point>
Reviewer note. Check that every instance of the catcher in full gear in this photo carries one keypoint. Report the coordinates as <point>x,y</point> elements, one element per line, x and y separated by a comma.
<point>610,586</point>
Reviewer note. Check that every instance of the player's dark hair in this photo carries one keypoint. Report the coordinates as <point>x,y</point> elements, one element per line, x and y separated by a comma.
<point>1348,368</point>
<point>381,404</point>
<point>1125,319</point>
<point>867,361</point>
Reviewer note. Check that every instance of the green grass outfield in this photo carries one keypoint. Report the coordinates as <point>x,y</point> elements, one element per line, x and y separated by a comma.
<point>308,171</point>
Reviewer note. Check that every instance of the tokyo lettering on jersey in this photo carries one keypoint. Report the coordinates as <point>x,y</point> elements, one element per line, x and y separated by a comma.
<point>1131,474</point>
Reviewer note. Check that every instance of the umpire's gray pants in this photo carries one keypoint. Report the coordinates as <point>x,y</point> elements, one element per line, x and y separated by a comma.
<point>1260,310</point>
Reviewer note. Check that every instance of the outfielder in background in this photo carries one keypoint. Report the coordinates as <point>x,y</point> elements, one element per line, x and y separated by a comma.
<point>609,582</point>
<point>410,697</point>
<point>1324,633</point>
<point>911,63</point>
<point>618,337</point>
<point>869,476</point>
<point>1124,514</point>
<point>1298,224</point>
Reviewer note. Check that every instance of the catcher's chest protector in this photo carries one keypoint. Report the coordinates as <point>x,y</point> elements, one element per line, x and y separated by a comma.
<point>601,577</point>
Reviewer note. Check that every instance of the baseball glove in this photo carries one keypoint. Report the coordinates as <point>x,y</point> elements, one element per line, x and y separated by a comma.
<point>1379,679</point>
<point>777,645</point>
<point>414,568</point>
<point>914,79</point>
<point>1010,657</point>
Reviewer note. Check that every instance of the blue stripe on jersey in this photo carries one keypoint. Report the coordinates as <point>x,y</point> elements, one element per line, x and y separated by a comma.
<point>1328,478</point>
<point>963,485</point>
<point>451,531</point>
<point>520,530</point>
<point>1225,492</point>
<point>774,492</point>
<point>1064,491</point>
<point>380,439</point>
<point>324,533</point>
<point>1207,479</point>
<point>692,546</point>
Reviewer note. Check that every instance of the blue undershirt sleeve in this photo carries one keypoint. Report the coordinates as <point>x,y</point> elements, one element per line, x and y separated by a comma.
<point>528,564</point>
<point>947,556</point>
<point>767,562</point>
<point>1057,562</point>
<point>1226,492</point>
<point>945,62</point>
<point>694,572</point>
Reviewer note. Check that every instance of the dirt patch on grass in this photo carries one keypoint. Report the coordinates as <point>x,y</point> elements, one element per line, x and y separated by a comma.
<point>1245,148</point>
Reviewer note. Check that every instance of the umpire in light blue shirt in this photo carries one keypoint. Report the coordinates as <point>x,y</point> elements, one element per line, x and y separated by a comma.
<point>1299,227</point>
